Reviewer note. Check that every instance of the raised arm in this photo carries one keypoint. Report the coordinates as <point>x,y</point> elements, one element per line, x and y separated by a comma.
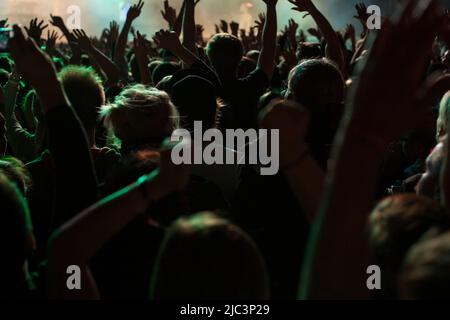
<point>20,140</point>
<point>110,69</point>
<point>269,39</point>
<point>58,22</point>
<point>76,184</point>
<point>68,248</point>
<point>189,25</point>
<point>141,54</point>
<point>304,175</point>
<point>334,48</point>
<point>384,106</point>
<point>169,40</point>
<point>119,57</point>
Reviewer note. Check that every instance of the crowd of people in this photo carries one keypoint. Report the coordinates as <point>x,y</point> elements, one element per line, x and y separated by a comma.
<point>87,178</point>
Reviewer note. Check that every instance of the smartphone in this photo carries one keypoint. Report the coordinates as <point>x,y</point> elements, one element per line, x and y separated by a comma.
<point>5,35</point>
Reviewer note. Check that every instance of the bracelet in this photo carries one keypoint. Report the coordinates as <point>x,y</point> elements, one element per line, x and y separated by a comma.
<point>297,161</point>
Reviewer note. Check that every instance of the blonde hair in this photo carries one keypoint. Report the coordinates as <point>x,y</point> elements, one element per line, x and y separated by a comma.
<point>139,113</point>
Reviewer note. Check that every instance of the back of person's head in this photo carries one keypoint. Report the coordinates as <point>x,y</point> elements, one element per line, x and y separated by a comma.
<point>319,86</point>
<point>15,171</point>
<point>444,117</point>
<point>395,224</point>
<point>16,237</point>
<point>246,66</point>
<point>85,92</point>
<point>225,52</point>
<point>163,70</point>
<point>308,50</point>
<point>140,115</point>
<point>425,273</point>
<point>195,99</point>
<point>205,257</point>
<point>315,83</point>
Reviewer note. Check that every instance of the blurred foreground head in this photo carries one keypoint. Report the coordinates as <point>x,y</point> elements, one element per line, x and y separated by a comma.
<point>206,257</point>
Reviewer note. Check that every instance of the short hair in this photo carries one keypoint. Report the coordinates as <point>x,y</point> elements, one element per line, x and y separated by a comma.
<point>206,257</point>
<point>15,231</point>
<point>15,171</point>
<point>85,91</point>
<point>308,50</point>
<point>395,225</point>
<point>317,82</point>
<point>195,99</point>
<point>140,114</point>
<point>444,117</point>
<point>225,52</point>
<point>425,273</point>
<point>398,221</point>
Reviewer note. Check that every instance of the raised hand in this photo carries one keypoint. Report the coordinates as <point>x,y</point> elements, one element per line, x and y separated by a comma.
<point>404,101</point>
<point>52,37</point>
<point>169,14</point>
<point>260,22</point>
<point>112,33</point>
<point>291,32</point>
<point>302,6</point>
<point>35,29</point>
<point>361,14</point>
<point>140,45</point>
<point>4,23</point>
<point>82,40</point>
<point>224,26</point>
<point>135,11</point>
<point>167,40</point>
<point>36,68</point>
<point>57,22</point>
<point>234,27</point>
<point>349,32</point>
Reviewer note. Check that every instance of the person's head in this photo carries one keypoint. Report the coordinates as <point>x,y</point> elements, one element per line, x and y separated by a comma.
<point>163,70</point>
<point>16,172</point>
<point>319,86</point>
<point>206,257</point>
<point>246,66</point>
<point>308,50</point>
<point>395,224</point>
<point>140,115</point>
<point>86,94</point>
<point>16,238</point>
<point>425,273</point>
<point>225,52</point>
<point>3,140</point>
<point>444,117</point>
<point>316,82</point>
<point>195,99</point>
